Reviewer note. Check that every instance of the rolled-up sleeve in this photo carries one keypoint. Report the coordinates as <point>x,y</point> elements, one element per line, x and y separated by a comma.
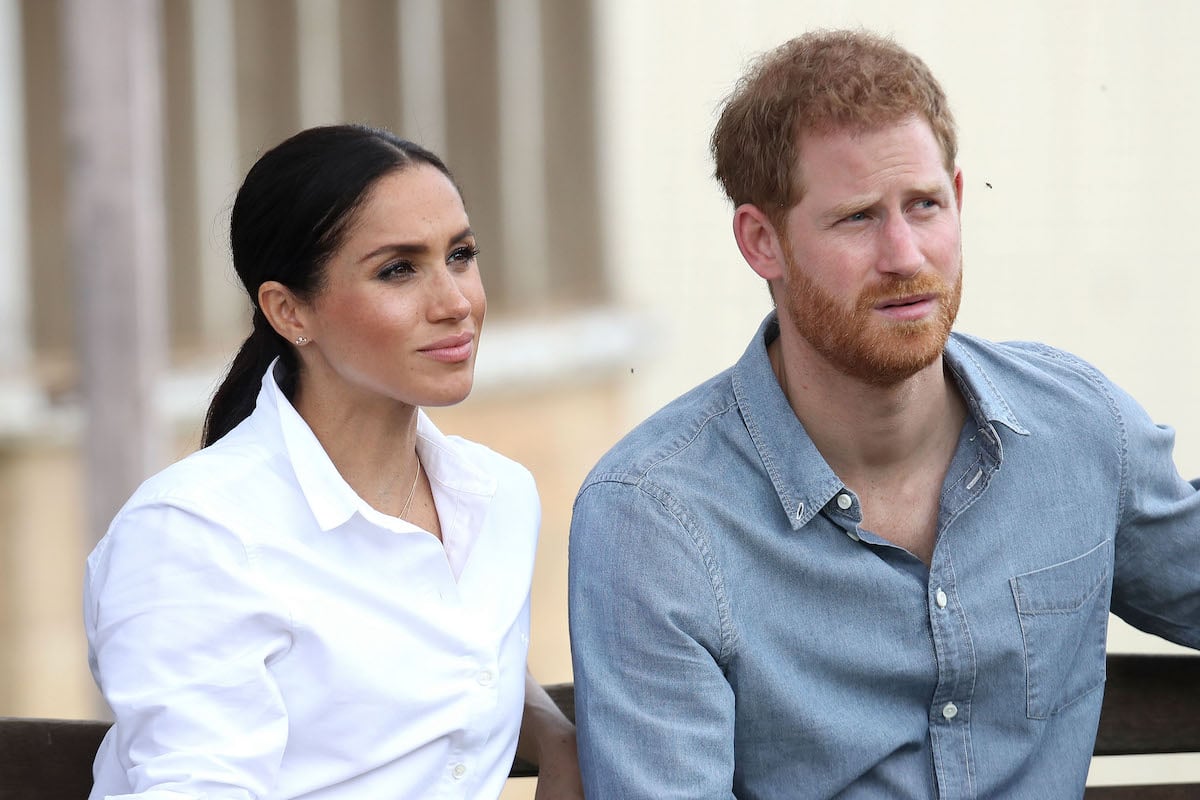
<point>180,638</point>
<point>655,713</point>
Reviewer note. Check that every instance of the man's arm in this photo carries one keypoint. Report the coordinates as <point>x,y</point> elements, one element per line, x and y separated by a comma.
<point>654,710</point>
<point>1156,582</point>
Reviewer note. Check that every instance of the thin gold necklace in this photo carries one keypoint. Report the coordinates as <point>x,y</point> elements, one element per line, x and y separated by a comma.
<point>412,492</point>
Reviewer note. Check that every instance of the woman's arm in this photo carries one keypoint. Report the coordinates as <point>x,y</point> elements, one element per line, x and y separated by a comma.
<point>180,635</point>
<point>548,740</point>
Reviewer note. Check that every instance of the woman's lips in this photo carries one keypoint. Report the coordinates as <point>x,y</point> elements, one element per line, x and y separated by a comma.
<point>451,349</point>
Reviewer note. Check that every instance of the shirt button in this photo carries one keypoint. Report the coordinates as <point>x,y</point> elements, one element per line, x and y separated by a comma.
<point>484,677</point>
<point>459,771</point>
<point>940,599</point>
<point>949,711</point>
<point>844,501</point>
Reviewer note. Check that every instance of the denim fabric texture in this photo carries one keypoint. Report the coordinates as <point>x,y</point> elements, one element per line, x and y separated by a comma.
<point>735,633</point>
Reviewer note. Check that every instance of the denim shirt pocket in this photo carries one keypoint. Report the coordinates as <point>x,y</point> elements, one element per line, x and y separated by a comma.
<point>1063,612</point>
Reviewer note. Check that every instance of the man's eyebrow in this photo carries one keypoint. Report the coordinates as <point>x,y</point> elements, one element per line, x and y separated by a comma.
<point>848,207</point>
<point>930,190</point>
<point>857,204</point>
<point>413,248</point>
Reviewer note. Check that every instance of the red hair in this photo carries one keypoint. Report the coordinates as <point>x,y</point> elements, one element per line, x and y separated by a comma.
<point>820,82</point>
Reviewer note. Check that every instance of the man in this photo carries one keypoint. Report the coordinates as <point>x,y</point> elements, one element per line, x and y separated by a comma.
<point>873,558</point>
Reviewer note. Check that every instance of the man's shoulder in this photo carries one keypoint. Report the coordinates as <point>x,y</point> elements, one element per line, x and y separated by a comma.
<point>1019,357</point>
<point>1029,376</point>
<point>667,433</point>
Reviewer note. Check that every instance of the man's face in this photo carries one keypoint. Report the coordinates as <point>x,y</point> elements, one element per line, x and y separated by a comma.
<point>873,251</point>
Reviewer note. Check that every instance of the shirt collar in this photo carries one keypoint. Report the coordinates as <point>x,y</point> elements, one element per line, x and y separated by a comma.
<point>332,501</point>
<point>802,479</point>
<point>984,400</point>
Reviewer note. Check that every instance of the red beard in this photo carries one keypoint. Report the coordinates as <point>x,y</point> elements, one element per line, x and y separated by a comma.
<point>861,343</point>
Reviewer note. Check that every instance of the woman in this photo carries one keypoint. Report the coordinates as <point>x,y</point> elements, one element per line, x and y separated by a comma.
<point>331,599</point>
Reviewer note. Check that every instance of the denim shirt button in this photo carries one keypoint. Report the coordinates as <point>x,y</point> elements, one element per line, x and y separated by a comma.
<point>940,599</point>
<point>949,711</point>
<point>844,502</point>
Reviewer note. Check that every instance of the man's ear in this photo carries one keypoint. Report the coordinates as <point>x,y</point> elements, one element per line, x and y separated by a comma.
<point>284,311</point>
<point>760,244</point>
<point>958,188</point>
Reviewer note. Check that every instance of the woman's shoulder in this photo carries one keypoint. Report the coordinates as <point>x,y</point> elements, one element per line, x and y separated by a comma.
<point>469,459</point>
<point>484,456</point>
<point>228,478</point>
<point>492,471</point>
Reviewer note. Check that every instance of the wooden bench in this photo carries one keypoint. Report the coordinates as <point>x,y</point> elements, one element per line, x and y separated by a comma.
<point>51,759</point>
<point>1151,705</point>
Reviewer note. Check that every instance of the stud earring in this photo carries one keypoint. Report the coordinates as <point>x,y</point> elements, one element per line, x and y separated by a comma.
<point>301,340</point>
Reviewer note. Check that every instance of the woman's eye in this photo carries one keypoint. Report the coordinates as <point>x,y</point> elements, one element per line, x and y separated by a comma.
<point>464,255</point>
<point>396,269</point>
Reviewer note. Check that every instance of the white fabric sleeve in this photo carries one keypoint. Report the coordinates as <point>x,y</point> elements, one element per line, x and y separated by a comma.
<point>181,635</point>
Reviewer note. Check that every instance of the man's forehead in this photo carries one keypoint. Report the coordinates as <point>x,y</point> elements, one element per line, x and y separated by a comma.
<point>842,152</point>
<point>856,129</point>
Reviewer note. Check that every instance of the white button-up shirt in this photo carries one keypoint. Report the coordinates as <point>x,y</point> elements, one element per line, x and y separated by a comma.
<point>261,632</point>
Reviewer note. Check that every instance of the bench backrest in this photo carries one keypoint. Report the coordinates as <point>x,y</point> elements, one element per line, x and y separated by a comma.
<point>1151,705</point>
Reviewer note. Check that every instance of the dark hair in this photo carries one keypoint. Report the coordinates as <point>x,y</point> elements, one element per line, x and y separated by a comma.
<point>291,214</point>
<point>820,82</point>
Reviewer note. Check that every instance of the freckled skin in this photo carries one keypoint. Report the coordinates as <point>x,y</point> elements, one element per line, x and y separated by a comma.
<point>878,221</point>
<point>382,307</point>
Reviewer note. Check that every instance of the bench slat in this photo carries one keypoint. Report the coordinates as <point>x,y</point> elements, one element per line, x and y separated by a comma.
<point>48,759</point>
<point>1174,791</point>
<point>1151,705</point>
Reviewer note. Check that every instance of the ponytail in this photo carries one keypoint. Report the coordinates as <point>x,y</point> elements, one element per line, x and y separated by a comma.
<point>234,398</point>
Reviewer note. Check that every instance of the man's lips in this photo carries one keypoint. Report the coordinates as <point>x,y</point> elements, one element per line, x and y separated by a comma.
<point>909,307</point>
<point>451,349</point>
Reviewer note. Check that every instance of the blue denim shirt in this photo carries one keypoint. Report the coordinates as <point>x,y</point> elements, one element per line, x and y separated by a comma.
<point>735,633</point>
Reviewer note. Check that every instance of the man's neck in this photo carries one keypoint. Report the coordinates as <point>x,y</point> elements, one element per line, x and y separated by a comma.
<point>868,432</point>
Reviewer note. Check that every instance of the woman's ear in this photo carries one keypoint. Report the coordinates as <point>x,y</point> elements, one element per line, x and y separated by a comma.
<point>284,311</point>
<point>760,244</point>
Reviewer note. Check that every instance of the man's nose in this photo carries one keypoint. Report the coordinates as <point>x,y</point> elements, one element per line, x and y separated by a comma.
<point>900,252</point>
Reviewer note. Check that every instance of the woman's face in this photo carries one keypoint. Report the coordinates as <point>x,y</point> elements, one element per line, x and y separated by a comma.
<point>399,314</point>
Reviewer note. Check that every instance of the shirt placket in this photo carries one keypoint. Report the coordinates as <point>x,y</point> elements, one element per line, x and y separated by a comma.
<point>950,707</point>
<point>480,668</point>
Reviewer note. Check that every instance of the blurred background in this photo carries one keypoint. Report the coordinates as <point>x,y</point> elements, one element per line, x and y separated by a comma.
<point>578,129</point>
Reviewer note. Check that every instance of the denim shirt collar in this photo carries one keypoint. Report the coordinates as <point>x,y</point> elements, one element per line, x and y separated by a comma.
<point>803,480</point>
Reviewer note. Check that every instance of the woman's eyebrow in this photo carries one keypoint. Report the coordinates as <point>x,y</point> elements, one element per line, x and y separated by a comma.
<point>413,248</point>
